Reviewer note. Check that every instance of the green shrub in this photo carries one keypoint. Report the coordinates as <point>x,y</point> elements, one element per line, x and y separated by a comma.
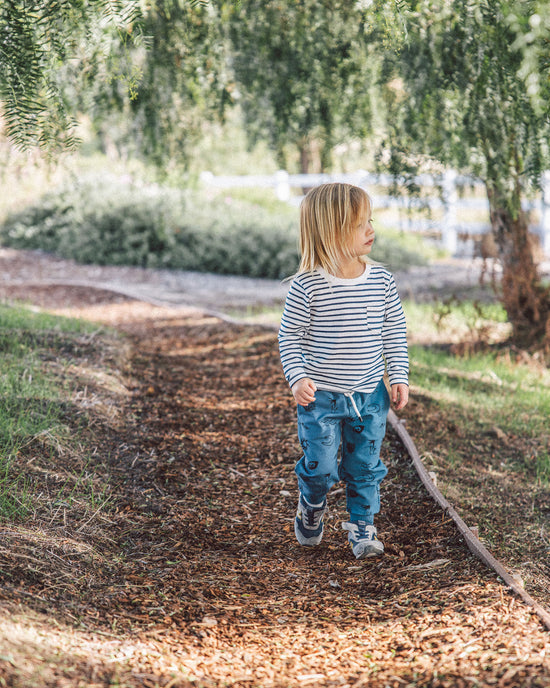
<point>111,222</point>
<point>105,222</point>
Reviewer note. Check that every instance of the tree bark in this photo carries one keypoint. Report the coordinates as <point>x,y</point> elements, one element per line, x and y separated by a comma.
<point>524,297</point>
<point>310,159</point>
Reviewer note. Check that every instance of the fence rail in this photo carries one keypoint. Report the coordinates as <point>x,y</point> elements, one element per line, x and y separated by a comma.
<point>444,196</point>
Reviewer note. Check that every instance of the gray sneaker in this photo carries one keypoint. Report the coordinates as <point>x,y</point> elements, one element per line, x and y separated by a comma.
<point>363,539</point>
<point>308,524</point>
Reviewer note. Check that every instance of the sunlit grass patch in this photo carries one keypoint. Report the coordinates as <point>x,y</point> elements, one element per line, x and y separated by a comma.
<point>487,391</point>
<point>33,319</point>
<point>516,394</point>
<point>463,323</point>
<point>38,418</point>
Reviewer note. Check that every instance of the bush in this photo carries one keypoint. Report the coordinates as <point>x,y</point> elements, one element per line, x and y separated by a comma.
<point>112,222</point>
<point>109,222</point>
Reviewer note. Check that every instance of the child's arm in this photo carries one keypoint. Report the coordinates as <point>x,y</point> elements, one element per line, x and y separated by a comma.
<point>394,337</point>
<point>304,391</point>
<point>294,324</point>
<point>399,395</point>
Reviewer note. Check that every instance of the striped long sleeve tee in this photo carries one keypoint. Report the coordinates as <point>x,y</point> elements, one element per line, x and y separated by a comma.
<point>343,333</point>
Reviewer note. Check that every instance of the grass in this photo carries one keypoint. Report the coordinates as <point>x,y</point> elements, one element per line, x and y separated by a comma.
<point>35,404</point>
<point>33,319</point>
<point>28,409</point>
<point>511,395</point>
<point>513,390</point>
<point>493,390</point>
<point>478,415</point>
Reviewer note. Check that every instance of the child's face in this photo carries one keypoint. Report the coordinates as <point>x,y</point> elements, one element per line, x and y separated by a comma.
<point>363,238</point>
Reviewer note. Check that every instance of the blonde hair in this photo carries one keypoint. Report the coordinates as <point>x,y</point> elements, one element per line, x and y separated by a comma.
<point>329,216</point>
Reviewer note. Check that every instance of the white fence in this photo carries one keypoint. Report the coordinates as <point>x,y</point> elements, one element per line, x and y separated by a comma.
<point>444,200</point>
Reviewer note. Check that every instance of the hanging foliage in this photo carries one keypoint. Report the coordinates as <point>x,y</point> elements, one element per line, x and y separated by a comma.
<point>304,71</point>
<point>38,38</point>
<point>456,92</point>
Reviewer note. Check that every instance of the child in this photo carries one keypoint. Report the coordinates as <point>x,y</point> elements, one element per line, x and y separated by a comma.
<point>342,325</point>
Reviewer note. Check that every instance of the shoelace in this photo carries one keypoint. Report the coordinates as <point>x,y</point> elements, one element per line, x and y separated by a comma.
<point>313,516</point>
<point>360,531</point>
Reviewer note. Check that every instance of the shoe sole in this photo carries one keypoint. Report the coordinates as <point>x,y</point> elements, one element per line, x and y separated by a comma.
<point>370,551</point>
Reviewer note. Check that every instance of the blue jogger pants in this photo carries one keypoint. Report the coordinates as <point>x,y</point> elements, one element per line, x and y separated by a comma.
<point>341,436</point>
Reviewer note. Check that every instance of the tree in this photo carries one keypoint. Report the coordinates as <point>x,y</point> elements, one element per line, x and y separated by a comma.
<point>456,93</point>
<point>303,71</point>
<point>146,74</point>
<point>175,75</point>
<point>184,78</point>
<point>39,37</point>
<point>530,22</point>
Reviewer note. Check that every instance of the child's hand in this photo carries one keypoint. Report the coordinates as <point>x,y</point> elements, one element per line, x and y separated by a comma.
<point>304,391</point>
<point>399,395</point>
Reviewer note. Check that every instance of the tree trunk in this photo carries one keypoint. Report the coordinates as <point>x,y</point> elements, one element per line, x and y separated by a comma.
<point>304,159</point>
<point>525,299</point>
<point>310,159</point>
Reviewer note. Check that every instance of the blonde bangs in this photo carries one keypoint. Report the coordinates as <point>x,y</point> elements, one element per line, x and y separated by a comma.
<point>329,216</point>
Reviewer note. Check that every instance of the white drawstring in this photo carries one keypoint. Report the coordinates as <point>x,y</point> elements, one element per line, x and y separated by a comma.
<point>349,395</point>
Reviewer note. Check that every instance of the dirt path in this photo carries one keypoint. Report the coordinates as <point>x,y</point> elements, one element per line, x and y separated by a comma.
<point>193,578</point>
<point>214,293</point>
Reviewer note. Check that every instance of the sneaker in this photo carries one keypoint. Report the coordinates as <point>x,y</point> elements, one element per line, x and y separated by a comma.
<point>363,539</point>
<point>308,524</point>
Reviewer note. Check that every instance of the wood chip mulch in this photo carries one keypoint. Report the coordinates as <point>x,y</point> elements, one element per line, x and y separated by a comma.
<point>192,575</point>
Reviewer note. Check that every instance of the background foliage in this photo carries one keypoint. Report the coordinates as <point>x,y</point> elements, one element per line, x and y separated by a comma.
<point>41,41</point>
<point>455,84</point>
<point>460,84</point>
<point>303,71</point>
<point>109,221</point>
